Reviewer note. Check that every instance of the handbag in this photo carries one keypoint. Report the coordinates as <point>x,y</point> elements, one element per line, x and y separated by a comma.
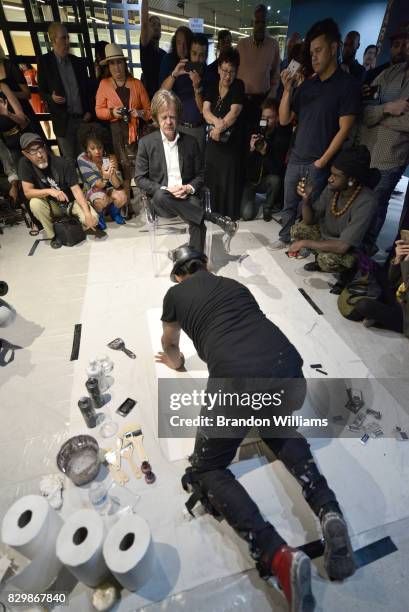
<point>68,229</point>
<point>224,136</point>
<point>363,286</point>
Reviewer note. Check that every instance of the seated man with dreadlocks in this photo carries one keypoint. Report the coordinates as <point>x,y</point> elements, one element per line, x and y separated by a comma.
<point>243,349</point>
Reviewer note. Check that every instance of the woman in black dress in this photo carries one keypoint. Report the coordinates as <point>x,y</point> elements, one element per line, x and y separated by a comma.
<point>223,103</point>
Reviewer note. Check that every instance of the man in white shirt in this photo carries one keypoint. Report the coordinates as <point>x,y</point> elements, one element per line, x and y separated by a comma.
<point>170,169</point>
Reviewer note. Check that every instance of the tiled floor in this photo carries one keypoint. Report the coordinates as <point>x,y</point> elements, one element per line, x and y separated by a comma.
<point>47,292</point>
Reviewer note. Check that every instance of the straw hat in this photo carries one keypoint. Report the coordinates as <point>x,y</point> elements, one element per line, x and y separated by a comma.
<point>112,51</point>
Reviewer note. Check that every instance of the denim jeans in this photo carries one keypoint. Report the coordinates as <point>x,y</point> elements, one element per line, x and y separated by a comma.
<point>294,173</point>
<point>270,185</point>
<point>383,192</point>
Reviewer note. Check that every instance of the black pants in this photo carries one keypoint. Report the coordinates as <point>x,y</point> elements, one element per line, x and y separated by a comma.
<point>190,210</point>
<point>212,456</point>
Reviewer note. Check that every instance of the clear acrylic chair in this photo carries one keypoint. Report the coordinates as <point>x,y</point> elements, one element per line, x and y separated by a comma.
<point>160,226</point>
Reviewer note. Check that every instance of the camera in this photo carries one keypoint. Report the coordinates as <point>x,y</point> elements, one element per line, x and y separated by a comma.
<point>262,130</point>
<point>125,113</point>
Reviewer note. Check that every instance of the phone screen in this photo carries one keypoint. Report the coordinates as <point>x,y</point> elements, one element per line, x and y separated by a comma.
<point>105,163</point>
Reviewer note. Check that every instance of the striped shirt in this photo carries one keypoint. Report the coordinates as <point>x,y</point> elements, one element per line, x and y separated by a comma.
<point>386,136</point>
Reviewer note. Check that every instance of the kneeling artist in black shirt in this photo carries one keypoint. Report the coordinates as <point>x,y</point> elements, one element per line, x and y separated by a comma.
<point>244,348</point>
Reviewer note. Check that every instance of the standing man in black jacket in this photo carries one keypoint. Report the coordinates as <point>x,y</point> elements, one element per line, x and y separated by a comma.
<point>265,166</point>
<point>65,86</point>
<point>170,169</point>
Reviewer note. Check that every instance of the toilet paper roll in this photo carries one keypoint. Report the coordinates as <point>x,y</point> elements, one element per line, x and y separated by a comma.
<point>128,552</point>
<point>31,527</point>
<point>79,547</point>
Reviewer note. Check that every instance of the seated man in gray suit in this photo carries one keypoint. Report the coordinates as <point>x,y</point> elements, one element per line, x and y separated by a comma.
<point>169,167</point>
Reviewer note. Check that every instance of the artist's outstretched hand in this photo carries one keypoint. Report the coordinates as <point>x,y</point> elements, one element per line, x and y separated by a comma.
<point>179,364</point>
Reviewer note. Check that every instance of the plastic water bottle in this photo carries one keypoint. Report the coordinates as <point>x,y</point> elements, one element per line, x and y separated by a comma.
<point>99,498</point>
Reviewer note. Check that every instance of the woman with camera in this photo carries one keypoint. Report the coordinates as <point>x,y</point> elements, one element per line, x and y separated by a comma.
<point>123,101</point>
<point>223,103</point>
<point>102,180</point>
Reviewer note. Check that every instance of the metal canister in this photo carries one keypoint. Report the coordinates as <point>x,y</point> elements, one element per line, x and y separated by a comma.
<point>94,392</point>
<point>87,411</point>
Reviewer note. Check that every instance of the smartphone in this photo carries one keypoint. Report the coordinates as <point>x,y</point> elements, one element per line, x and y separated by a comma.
<point>373,92</point>
<point>126,407</point>
<point>292,67</point>
<point>194,66</point>
<point>105,163</point>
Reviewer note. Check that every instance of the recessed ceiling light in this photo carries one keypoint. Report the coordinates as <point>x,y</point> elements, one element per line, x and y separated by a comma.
<point>269,8</point>
<point>278,11</point>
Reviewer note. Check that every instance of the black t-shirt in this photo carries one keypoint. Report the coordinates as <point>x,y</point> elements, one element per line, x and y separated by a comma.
<point>151,58</point>
<point>229,331</point>
<point>318,106</point>
<point>14,78</point>
<point>60,174</point>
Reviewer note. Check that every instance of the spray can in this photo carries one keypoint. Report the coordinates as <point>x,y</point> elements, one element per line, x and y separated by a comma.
<point>87,411</point>
<point>94,392</point>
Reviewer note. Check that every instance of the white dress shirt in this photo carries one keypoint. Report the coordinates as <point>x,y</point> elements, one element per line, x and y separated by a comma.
<point>172,161</point>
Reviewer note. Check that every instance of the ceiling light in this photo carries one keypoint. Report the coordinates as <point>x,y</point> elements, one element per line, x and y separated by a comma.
<point>278,11</point>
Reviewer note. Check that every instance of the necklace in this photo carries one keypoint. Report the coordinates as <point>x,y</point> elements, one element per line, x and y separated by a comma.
<point>339,213</point>
<point>120,86</point>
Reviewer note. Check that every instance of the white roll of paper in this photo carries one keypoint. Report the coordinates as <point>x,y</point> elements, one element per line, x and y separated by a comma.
<point>79,547</point>
<point>128,552</point>
<point>31,527</point>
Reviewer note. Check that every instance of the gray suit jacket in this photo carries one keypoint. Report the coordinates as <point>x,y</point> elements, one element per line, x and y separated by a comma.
<point>151,171</point>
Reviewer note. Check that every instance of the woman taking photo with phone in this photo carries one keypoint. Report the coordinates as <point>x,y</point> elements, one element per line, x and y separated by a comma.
<point>103,182</point>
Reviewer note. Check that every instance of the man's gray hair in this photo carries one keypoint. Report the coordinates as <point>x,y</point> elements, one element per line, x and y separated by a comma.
<point>163,98</point>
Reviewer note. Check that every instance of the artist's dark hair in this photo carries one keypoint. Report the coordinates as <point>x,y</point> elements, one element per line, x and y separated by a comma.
<point>230,56</point>
<point>370,47</point>
<point>200,39</point>
<point>95,132</point>
<point>188,36</point>
<point>328,28</point>
<point>190,267</point>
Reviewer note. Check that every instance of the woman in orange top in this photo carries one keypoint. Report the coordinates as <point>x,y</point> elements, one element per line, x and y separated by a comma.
<point>122,100</point>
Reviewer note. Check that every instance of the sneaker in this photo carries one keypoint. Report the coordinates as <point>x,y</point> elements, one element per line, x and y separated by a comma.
<point>292,568</point>
<point>278,245</point>
<point>312,266</point>
<point>339,558</point>
<point>55,243</point>
<point>267,215</point>
<point>368,322</point>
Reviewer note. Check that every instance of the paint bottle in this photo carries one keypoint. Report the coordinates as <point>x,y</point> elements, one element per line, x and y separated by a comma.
<point>94,370</point>
<point>87,411</point>
<point>107,365</point>
<point>94,392</point>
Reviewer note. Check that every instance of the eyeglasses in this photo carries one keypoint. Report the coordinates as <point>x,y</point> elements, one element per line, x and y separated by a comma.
<point>228,72</point>
<point>35,151</point>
